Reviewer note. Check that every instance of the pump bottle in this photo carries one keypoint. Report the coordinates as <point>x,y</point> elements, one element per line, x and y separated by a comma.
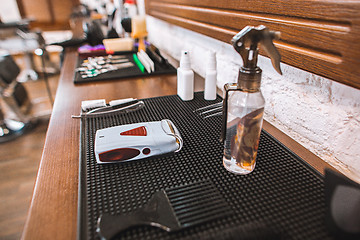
<point>185,78</point>
<point>210,78</point>
<point>130,8</point>
<point>244,103</point>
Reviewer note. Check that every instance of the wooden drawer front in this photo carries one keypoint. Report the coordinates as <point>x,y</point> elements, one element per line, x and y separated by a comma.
<point>322,37</point>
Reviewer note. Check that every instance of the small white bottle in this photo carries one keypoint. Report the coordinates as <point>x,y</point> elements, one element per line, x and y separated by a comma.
<point>130,8</point>
<point>210,78</point>
<point>185,78</point>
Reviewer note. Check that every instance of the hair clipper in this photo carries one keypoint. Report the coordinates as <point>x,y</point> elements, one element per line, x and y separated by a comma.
<point>136,141</point>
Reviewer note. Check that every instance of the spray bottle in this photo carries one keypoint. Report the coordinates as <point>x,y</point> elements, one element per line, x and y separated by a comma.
<point>185,78</point>
<point>244,103</point>
<point>210,78</point>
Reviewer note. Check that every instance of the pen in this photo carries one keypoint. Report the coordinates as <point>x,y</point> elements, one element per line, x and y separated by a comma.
<point>138,63</point>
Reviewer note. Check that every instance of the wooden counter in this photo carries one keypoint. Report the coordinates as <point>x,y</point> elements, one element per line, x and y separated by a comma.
<point>53,210</point>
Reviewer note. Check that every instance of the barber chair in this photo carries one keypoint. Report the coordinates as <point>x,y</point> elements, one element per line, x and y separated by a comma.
<point>15,100</point>
<point>16,37</point>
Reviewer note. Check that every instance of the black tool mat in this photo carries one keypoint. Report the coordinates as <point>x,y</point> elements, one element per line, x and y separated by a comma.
<point>134,71</point>
<point>283,193</point>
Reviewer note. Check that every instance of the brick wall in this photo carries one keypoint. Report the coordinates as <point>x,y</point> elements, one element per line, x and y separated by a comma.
<point>322,115</point>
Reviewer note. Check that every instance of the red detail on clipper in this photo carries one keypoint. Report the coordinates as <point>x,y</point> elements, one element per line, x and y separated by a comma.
<point>140,131</point>
<point>120,154</point>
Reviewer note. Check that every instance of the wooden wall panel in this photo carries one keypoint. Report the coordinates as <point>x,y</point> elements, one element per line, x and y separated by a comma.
<point>37,10</point>
<point>322,37</point>
<point>47,14</point>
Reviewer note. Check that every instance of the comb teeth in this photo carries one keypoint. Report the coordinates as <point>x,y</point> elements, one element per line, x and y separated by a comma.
<point>197,203</point>
<point>171,209</point>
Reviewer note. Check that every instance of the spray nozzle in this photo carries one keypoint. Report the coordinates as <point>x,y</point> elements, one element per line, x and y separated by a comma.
<point>246,44</point>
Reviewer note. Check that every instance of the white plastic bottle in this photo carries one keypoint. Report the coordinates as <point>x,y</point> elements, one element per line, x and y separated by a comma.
<point>210,78</point>
<point>185,78</point>
<point>130,8</point>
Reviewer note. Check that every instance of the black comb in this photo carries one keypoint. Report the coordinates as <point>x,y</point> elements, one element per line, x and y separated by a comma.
<point>171,210</point>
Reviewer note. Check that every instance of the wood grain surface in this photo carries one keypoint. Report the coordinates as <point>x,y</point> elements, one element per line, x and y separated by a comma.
<point>47,14</point>
<point>321,37</point>
<point>20,158</point>
<point>53,210</point>
<point>18,174</point>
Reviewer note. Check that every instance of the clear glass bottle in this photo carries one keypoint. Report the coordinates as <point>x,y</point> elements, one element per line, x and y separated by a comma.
<point>243,127</point>
<point>244,103</point>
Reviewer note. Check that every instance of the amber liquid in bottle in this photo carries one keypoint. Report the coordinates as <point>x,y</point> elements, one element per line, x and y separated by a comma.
<point>242,139</point>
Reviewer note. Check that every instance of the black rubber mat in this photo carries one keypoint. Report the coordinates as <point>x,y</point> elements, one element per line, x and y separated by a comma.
<point>283,193</point>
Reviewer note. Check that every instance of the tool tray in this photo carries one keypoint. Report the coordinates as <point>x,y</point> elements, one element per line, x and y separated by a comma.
<point>134,71</point>
<point>283,191</point>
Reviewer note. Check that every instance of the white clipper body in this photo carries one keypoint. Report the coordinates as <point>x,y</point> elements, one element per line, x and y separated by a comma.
<point>136,141</point>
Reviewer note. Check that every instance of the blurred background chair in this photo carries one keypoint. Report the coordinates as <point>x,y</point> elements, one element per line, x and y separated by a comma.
<point>15,104</point>
<point>15,37</point>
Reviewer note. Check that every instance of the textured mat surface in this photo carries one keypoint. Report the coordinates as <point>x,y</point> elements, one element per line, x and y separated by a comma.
<point>283,192</point>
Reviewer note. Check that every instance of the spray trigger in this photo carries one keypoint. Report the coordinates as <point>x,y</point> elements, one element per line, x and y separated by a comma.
<point>246,44</point>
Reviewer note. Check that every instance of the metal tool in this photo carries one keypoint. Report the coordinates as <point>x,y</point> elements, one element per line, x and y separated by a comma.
<point>171,210</point>
<point>210,110</point>
<point>94,66</point>
<point>136,141</point>
<point>118,107</point>
<point>126,107</point>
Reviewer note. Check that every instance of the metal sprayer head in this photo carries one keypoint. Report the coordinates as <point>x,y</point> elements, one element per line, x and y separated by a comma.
<point>246,43</point>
